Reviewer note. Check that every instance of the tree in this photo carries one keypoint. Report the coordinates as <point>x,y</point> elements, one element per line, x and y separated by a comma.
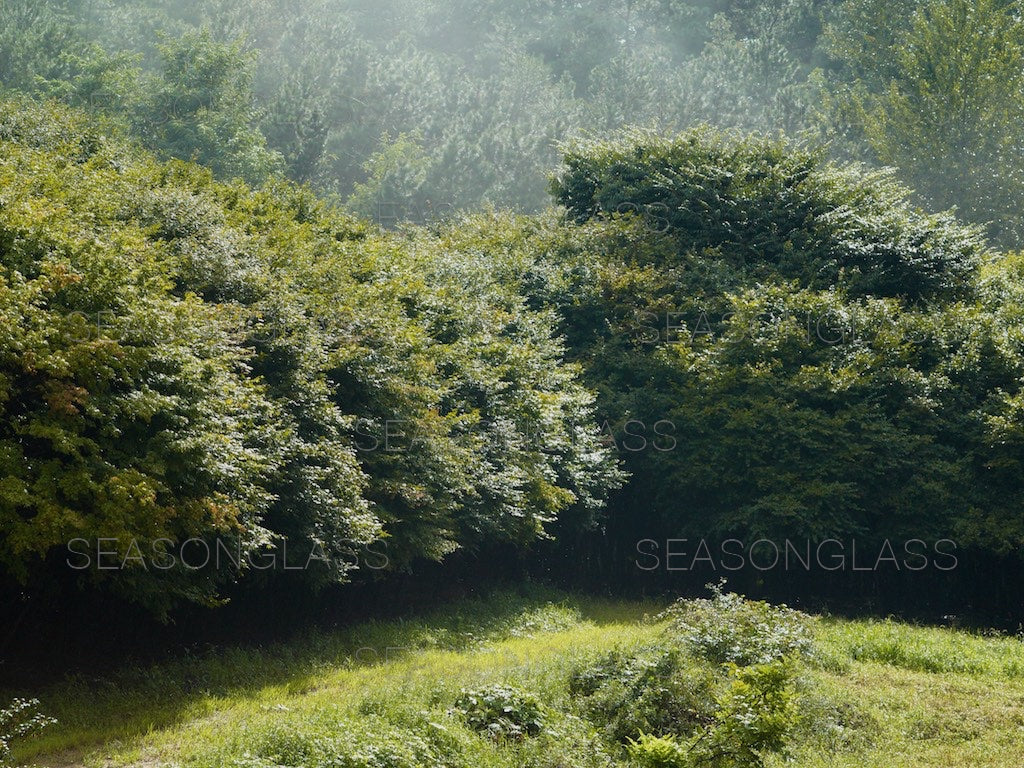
<point>255,374</point>
<point>201,109</point>
<point>817,347</point>
<point>942,102</point>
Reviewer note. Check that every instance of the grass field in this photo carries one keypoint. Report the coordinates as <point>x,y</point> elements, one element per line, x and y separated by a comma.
<point>383,695</point>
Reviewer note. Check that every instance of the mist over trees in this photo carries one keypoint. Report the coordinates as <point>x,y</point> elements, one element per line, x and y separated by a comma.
<point>413,109</point>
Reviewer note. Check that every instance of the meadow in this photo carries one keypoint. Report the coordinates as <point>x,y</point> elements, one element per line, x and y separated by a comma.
<point>503,681</point>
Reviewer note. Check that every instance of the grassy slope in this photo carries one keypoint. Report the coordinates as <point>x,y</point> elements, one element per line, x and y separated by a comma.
<point>912,696</point>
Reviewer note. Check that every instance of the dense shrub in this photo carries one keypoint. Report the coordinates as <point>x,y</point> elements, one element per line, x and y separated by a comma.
<point>128,411</point>
<point>501,712</point>
<point>729,629</point>
<point>759,209</point>
<point>658,752</point>
<point>657,690</point>
<point>261,374</point>
<point>690,715</point>
<point>827,359</point>
<point>721,689</point>
<point>756,714</point>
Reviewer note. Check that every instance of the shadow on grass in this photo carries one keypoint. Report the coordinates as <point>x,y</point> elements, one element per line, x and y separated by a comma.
<point>136,700</point>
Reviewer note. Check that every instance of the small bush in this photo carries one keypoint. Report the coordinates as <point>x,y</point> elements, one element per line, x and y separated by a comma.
<point>655,691</point>
<point>756,713</point>
<point>729,629</point>
<point>502,712</point>
<point>657,752</point>
<point>19,719</point>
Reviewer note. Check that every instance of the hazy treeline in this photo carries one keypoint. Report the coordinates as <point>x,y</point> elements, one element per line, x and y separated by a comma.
<point>411,109</point>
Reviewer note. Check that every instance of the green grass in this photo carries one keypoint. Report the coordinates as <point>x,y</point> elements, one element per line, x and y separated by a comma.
<point>381,694</point>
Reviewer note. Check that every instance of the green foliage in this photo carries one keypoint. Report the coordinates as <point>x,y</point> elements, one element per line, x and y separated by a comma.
<point>128,411</point>
<point>547,618</point>
<point>936,94</point>
<point>741,65</point>
<point>658,752</point>
<point>825,353</point>
<point>488,88</point>
<point>38,42</point>
<point>756,715</point>
<point>686,702</point>
<point>250,87</point>
<point>835,723</point>
<point>501,712</point>
<point>828,358</point>
<point>728,629</point>
<point>657,690</point>
<point>763,209</point>
<point>396,174</point>
<point>191,359</point>
<point>367,744</point>
<point>47,49</point>
<point>319,699</point>
<point>201,109</point>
